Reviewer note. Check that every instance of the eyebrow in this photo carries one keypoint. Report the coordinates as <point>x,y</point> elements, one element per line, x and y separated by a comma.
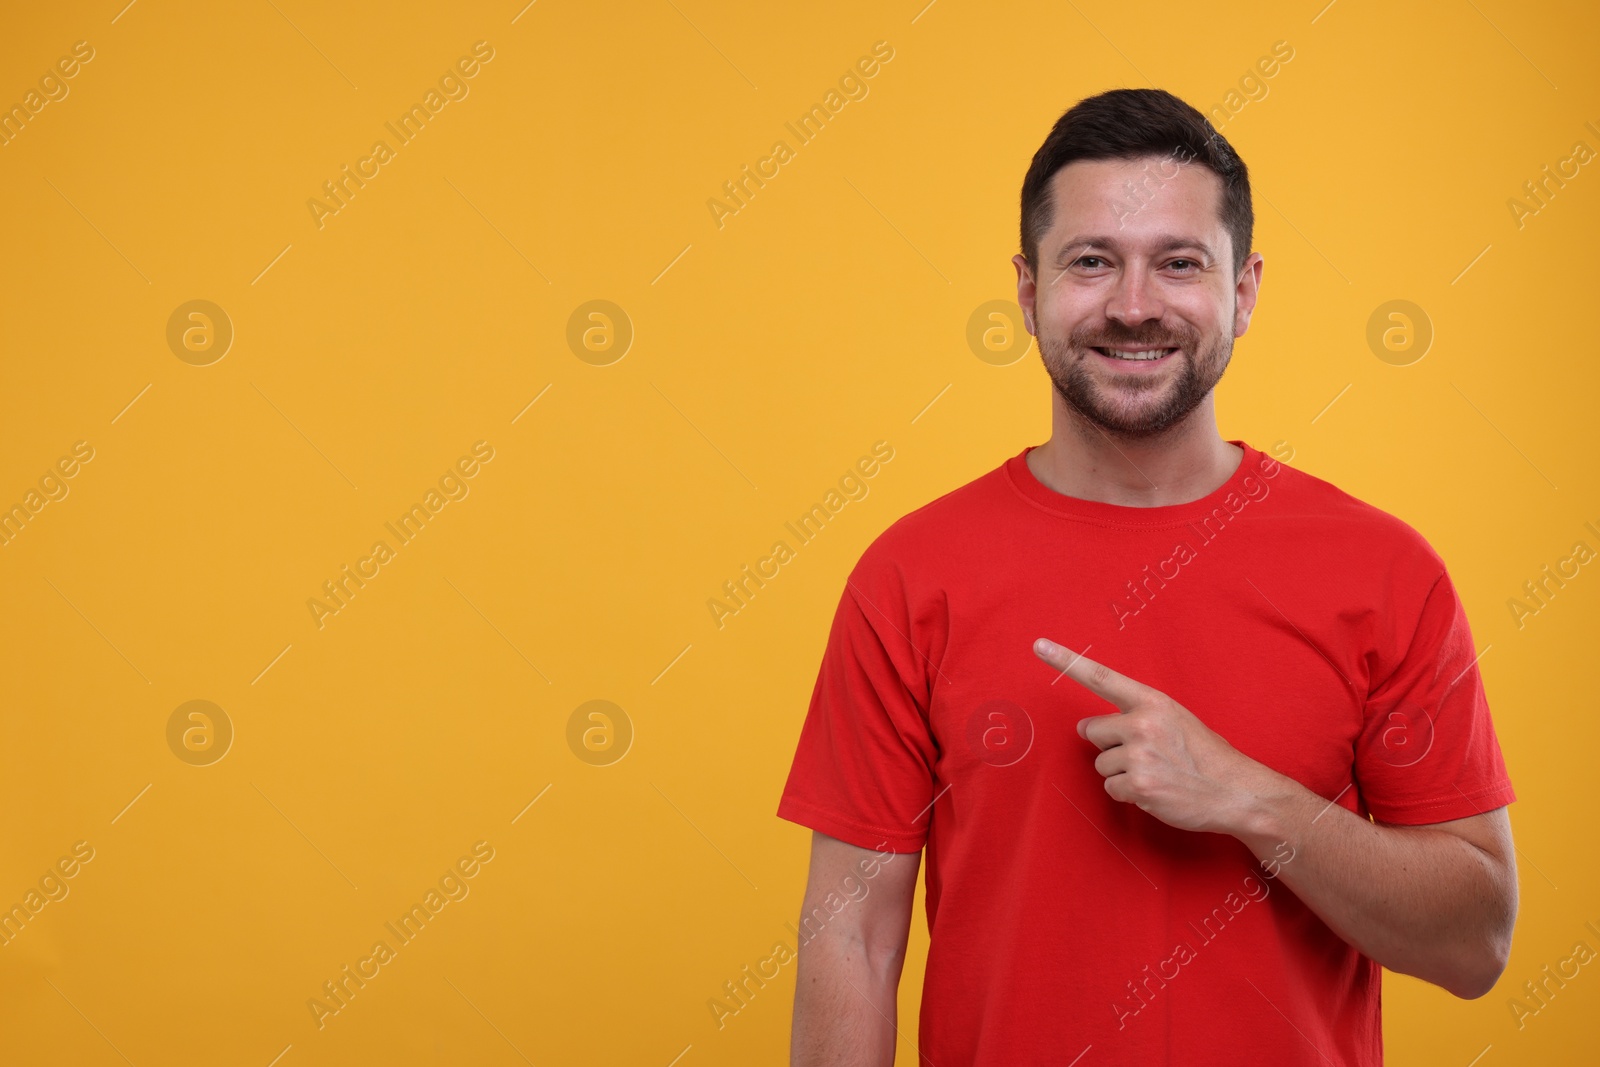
<point>1165,242</point>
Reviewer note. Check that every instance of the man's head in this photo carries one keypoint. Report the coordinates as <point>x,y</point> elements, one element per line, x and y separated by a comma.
<point>1136,226</point>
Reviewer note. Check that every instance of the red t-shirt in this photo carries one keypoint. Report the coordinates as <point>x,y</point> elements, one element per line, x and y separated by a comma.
<point>1316,633</point>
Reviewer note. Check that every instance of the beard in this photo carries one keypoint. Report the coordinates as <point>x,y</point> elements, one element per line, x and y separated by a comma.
<point>1139,405</point>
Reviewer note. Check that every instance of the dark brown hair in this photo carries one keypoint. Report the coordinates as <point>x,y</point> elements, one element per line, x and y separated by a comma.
<point>1132,124</point>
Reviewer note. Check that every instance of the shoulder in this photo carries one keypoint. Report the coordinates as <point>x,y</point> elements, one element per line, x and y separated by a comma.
<point>1342,526</point>
<point>924,542</point>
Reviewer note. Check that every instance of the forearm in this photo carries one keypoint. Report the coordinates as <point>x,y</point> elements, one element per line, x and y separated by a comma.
<point>844,1003</point>
<point>1419,901</point>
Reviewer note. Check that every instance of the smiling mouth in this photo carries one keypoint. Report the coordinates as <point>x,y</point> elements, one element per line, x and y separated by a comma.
<point>1147,355</point>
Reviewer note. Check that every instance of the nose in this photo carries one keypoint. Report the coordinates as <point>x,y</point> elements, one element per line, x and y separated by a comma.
<point>1134,300</point>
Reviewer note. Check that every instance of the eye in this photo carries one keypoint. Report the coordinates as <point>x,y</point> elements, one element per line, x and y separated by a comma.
<point>1186,263</point>
<point>1088,261</point>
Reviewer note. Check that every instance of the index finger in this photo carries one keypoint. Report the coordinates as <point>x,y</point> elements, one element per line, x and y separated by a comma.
<point>1099,679</point>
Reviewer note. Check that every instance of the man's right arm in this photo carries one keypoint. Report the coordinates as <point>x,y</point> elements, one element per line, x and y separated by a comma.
<point>848,972</point>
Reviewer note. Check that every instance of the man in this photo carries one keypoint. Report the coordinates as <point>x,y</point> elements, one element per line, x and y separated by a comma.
<point>1258,766</point>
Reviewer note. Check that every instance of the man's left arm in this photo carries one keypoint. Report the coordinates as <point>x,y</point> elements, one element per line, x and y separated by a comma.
<point>1436,902</point>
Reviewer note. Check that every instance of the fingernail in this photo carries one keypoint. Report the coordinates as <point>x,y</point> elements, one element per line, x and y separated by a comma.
<point>1046,647</point>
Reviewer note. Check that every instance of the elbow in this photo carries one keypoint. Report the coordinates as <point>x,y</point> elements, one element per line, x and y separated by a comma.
<point>887,959</point>
<point>1478,976</point>
<point>1471,987</point>
<point>1488,954</point>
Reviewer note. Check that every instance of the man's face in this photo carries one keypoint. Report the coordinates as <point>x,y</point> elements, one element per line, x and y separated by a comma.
<point>1136,265</point>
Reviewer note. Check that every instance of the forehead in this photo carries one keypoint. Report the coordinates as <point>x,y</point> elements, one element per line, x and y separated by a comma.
<point>1135,200</point>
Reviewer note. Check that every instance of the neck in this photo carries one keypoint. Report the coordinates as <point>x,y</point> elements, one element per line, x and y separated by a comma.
<point>1186,462</point>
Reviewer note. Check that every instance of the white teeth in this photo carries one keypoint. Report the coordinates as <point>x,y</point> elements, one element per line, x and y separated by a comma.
<point>1115,353</point>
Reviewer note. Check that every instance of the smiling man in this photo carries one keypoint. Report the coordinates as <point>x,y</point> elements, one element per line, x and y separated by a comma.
<point>1258,767</point>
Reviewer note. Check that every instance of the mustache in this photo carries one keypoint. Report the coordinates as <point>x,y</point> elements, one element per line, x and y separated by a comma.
<point>1103,338</point>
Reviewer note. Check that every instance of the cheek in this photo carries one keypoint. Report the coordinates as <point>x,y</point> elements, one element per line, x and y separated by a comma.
<point>1203,311</point>
<point>1066,309</point>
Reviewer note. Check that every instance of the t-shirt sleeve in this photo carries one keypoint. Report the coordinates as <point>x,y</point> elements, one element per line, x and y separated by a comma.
<point>1427,751</point>
<point>863,769</point>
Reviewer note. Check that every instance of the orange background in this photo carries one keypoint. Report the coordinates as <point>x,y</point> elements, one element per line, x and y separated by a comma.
<point>433,310</point>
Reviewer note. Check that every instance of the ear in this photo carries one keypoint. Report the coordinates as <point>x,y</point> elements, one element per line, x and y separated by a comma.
<point>1026,291</point>
<point>1246,290</point>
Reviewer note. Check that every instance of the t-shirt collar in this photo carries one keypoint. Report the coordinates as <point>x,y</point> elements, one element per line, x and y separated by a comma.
<point>1022,479</point>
